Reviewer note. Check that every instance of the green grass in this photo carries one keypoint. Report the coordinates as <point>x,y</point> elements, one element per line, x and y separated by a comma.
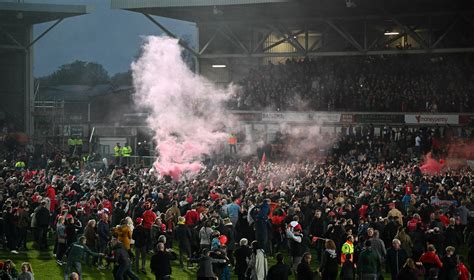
<point>45,267</point>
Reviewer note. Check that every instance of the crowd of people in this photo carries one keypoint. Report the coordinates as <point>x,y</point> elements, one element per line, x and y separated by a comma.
<point>356,215</point>
<point>404,83</point>
<point>360,212</point>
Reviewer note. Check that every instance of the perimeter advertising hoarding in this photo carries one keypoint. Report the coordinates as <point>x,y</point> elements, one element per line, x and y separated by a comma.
<point>301,117</point>
<point>466,119</point>
<point>431,119</point>
<point>380,118</point>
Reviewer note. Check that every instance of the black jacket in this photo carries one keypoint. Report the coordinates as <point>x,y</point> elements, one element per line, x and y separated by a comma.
<point>304,272</point>
<point>395,260</point>
<point>160,264</point>
<point>241,255</point>
<point>121,256</point>
<point>183,235</point>
<point>42,216</point>
<point>279,271</point>
<point>117,215</point>
<point>140,236</point>
<point>407,274</point>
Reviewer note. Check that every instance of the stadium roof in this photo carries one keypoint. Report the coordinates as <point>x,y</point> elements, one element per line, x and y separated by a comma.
<point>264,10</point>
<point>32,13</point>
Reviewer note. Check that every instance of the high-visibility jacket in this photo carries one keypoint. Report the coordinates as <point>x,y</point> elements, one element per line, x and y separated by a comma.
<point>79,142</point>
<point>347,249</point>
<point>86,158</point>
<point>232,139</point>
<point>117,151</point>
<point>71,142</point>
<point>20,164</point>
<point>127,151</point>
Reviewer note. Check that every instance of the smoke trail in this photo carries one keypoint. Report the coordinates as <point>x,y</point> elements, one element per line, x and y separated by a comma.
<point>187,112</point>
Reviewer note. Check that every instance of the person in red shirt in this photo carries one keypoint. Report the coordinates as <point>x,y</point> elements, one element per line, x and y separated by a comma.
<point>148,219</point>
<point>51,194</point>
<point>430,259</point>
<point>413,222</point>
<point>192,216</point>
<point>462,269</point>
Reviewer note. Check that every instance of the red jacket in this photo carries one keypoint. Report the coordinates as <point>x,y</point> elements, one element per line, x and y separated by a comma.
<point>431,258</point>
<point>192,217</point>
<point>149,218</point>
<point>412,224</point>
<point>51,194</point>
<point>463,272</point>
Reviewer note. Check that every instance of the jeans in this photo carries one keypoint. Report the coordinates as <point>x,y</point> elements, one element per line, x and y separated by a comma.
<point>22,234</point>
<point>68,270</point>
<point>225,273</point>
<point>42,237</point>
<point>140,251</point>
<point>295,262</point>
<point>125,272</point>
<point>60,250</point>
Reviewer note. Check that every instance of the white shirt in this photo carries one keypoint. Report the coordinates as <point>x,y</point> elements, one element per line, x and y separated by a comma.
<point>417,141</point>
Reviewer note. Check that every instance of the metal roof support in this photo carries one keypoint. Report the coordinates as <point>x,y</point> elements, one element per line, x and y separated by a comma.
<point>341,53</point>
<point>288,38</point>
<point>306,38</point>
<point>232,40</point>
<point>236,39</point>
<point>345,35</point>
<point>411,32</point>
<point>279,42</point>
<point>11,47</point>
<point>450,27</point>
<point>291,37</point>
<point>44,33</point>
<point>317,43</point>
<point>169,33</point>
<point>260,43</point>
<point>15,41</point>
<point>208,43</point>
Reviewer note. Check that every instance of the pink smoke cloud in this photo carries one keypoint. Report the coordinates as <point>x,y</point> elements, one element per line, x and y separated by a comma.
<point>431,166</point>
<point>187,112</point>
